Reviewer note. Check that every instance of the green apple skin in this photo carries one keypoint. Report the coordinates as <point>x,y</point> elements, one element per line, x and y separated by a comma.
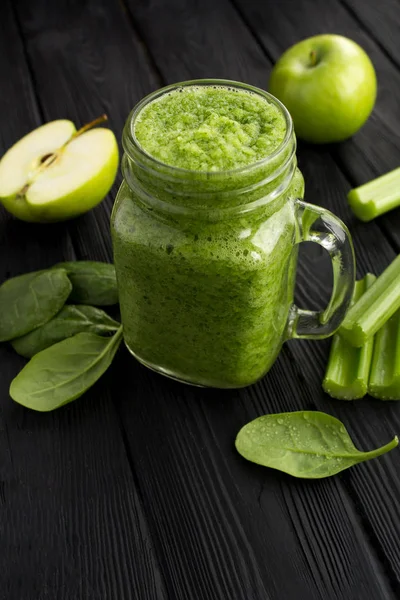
<point>328,84</point>
<point>18,206</point>
<point>77,202</point>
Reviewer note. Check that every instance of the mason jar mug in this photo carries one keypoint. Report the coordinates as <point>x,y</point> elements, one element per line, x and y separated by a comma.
<point>206,260</point>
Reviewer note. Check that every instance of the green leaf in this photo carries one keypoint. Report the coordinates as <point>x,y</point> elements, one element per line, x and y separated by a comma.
<point>306,444</point>
<point>63,372</point>
<point>71,319</point>
<point>92,282</point>
<point>28,301</point>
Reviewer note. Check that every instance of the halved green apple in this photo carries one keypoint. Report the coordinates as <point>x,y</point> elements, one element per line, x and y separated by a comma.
<point>55,172</point>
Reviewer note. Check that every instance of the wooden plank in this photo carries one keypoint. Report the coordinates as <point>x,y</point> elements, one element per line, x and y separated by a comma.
<point>375,149</point>
<point>217,534</point>
<point>371,422</point>
<point>211,42</point>
<point>382,22</point>
<point>65,479</point>
<point>238,522</point>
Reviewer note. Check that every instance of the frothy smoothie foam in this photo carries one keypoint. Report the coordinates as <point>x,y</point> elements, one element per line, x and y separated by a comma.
<point>211,128</point>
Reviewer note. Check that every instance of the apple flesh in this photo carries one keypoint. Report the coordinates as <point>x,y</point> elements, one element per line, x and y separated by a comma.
<point>55,173</point>
<point>328,84</point>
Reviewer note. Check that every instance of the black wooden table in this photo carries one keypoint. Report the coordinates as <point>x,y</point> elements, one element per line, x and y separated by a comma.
<point>135,491</point>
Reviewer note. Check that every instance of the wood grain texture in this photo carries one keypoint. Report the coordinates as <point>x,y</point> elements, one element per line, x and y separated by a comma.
<point>71,520</point>
<point>170,510</point>
<point>195,39</point>
<point>250,532</point>
<point>382,22</point>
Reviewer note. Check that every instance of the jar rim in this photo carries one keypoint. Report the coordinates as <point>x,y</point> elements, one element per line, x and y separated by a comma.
<point>133,147</point>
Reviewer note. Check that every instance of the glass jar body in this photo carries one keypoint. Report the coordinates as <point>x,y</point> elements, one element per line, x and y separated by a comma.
<point>206,260</point>
<point>206,301</point>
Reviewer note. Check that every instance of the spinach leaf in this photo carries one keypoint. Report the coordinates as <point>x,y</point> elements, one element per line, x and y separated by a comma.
<point>92,282</point>
<point>307,444</point>
<point>28,301</point>
<point>63,372</point>
<point>71,319</point>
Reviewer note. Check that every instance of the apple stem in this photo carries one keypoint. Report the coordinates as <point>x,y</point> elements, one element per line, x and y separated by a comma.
<point>313,58</point>
<point>82,130</point>
<point>97,121</point>
<point>48,159</point>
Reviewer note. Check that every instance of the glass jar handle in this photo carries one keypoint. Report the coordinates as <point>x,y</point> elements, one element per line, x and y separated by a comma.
<point>332,234</point>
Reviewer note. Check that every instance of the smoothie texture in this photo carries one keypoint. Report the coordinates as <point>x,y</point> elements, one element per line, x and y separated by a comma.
<point>205,293</point>
<point>210,128</point>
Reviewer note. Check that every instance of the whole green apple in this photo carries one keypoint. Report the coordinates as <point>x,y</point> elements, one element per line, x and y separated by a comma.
<point>328,84</point>
<point>55,173</point>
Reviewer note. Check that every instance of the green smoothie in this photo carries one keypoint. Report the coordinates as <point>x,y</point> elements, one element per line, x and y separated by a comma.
<point>210,128</point>
<point>205,291</point>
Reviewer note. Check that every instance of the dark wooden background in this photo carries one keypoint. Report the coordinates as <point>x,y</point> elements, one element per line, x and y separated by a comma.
<point>135,491</point>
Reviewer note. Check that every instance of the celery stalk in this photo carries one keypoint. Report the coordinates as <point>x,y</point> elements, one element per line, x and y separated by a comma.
<point>376,197</point>
<point>384,381</point>
<point>375,307</point>
<point>347,373</point>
